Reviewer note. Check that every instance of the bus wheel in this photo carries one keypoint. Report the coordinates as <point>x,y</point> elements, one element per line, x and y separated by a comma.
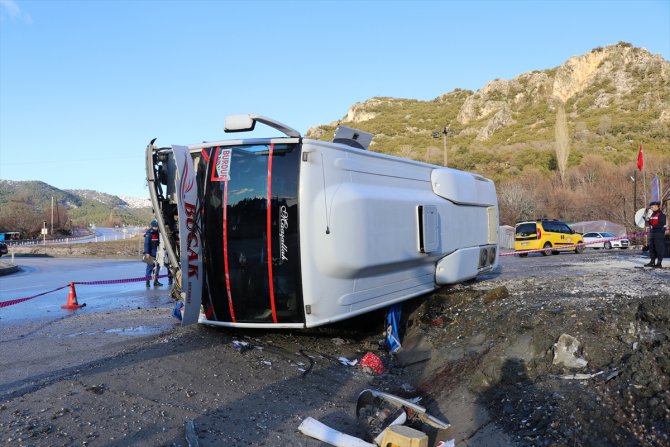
<point>545,252</point>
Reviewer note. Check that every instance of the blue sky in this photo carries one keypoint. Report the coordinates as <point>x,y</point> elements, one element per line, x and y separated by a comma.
<point>84,85</point>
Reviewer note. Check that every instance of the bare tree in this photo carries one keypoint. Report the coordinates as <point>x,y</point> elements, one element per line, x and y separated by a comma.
<point>597,189</point>
<point>22,217</point>
<point>517,203</point>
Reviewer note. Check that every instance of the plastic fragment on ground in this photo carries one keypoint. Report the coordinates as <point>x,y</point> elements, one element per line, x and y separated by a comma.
<point>241,346</point>
<point>346,362</point>
<point>191,437</point>
<point>315,429</point>
<point>372,364</point>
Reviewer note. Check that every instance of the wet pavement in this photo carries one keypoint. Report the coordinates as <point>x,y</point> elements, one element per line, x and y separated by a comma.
<point>41,274</point>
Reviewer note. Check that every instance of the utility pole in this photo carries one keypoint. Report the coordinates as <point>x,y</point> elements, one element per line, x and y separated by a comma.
<point>445,131</point>
<point>52,216</point>
<point>634,192</point>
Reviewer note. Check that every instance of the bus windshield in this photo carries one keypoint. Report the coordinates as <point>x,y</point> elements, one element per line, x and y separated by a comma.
<point>251,248</point>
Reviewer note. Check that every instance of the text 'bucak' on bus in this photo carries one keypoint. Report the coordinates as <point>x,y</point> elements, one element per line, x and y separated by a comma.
<point>290,232</point>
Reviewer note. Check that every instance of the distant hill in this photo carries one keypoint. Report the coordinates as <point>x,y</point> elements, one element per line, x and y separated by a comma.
<point>614,98</point>
<point>83,207</point>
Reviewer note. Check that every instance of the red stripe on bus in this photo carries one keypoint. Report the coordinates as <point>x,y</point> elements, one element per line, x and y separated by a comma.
<point>225,250</point>
<point>205,155</point>
<point>270,275</point>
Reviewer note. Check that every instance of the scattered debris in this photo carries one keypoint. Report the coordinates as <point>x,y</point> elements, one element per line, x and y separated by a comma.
<point>376,411</point>
<point>566,351</point>
<point>372,364</point>
<point>392,341</point>
<point>376,418</point>
<point>241,346</point>
<point>178,310</point>
<point>401,435</point>
<point>581,376</point>
<point>315,429</point>
<point>345,361</point>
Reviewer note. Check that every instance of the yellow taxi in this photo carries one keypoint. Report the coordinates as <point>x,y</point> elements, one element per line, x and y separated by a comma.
<point>551,235</point>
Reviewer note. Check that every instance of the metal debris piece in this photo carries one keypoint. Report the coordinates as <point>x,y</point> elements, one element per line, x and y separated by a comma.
<point>376,410</point>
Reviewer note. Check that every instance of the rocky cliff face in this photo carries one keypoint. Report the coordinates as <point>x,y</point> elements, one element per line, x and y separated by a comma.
<point>626,83</point>
<point>613,73</point>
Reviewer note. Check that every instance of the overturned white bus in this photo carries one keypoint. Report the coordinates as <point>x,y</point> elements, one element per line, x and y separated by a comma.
<point>292,232</point>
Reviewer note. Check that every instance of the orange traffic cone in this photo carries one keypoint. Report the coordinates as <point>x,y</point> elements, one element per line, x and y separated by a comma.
<point>72,299</point>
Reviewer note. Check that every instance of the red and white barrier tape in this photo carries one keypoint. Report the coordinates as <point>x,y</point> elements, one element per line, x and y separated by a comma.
<point>564,247</point>
<point>83,283</point>
<point>20,300</point>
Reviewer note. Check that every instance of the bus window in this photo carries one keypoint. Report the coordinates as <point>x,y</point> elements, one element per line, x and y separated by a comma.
<point>251,239</point>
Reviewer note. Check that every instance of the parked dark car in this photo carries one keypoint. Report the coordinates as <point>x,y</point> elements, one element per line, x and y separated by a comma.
<point>3,249</point>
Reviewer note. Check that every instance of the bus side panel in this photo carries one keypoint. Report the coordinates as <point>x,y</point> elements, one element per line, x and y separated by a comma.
<point>359,231</point>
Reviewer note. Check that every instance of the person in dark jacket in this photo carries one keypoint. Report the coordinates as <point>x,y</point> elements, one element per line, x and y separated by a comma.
<point>151,241</point>
<point>657,235</point>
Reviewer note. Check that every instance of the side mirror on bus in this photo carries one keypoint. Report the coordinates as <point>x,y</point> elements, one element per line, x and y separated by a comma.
<point>239,123</point>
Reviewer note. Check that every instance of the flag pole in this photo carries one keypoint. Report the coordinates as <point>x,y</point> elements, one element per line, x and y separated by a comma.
<point>644,182</point>
<point>644,189</point>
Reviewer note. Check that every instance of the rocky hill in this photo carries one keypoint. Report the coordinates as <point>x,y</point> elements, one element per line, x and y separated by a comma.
<point>614,98</point>
<point>100,197</point>
<point>31,201</point>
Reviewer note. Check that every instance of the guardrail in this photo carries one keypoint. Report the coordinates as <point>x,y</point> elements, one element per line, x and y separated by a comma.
<point>37,241</point>
<point>65,240</point>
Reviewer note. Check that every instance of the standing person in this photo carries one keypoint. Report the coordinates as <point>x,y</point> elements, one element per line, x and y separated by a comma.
<point>151,241</point>
<point>657,237</point>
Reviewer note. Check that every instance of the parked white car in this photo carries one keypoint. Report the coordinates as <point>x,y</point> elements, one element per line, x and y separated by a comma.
<point>603,239</point>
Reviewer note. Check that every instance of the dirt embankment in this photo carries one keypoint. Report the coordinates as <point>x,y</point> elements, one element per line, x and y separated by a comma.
<point>506,345</point>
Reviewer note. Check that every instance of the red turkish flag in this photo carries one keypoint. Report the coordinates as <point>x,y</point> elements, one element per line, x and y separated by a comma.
<point>640,159</point>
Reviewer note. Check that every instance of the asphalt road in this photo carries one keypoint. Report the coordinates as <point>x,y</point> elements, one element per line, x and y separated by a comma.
<point>38,275</point>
